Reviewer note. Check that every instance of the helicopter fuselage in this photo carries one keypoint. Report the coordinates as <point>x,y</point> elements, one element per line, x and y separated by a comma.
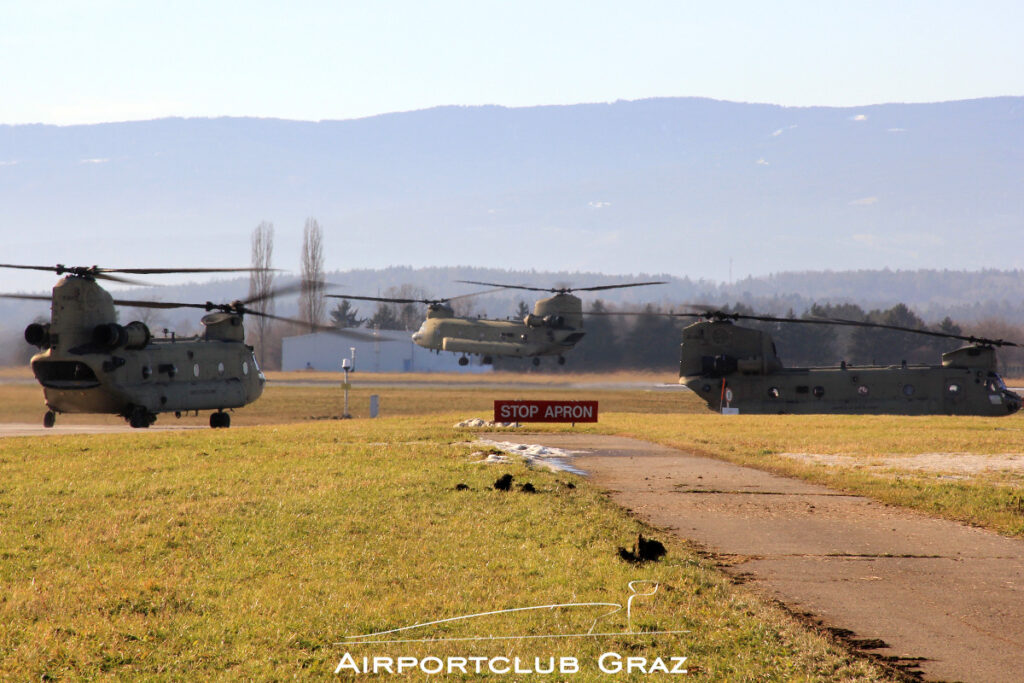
<point>88,363</point>
<point>730,366</point>
<point>166,375</point>
<point>554,327</point>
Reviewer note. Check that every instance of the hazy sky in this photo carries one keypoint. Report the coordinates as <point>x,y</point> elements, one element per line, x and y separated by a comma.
<point>112,60</point>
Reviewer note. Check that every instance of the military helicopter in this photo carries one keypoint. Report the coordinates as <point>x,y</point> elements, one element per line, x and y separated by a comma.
<point>737,369</point>
<point>88,363</point>
<point>554,327</point>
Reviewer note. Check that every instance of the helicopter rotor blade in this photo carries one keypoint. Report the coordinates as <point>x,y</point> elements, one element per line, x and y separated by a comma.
<point>503,286</point>
<point>340,331</point>
<point>171,271</point>
<point>428,302</point>
<point>562,290</point>
<point>899,328</point>
<point>208,306</point>
<point>287,289</point>
<point>27,297</point>
<point>384,299</point>
<point>601,287</point>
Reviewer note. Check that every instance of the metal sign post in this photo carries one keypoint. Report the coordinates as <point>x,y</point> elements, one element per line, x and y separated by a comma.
<point>347,366</point>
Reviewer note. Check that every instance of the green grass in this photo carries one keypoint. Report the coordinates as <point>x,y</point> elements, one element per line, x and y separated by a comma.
<point>250,553</point>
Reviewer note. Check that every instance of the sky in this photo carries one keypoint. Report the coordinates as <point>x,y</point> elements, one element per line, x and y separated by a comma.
<point>91,61</point>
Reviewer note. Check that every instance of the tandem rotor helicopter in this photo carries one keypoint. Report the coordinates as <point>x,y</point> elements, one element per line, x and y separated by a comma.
<point>554,327</point>
<point>737,369</point>
<point>88,363</point>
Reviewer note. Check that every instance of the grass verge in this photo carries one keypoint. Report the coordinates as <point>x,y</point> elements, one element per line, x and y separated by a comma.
<point>250,553</point>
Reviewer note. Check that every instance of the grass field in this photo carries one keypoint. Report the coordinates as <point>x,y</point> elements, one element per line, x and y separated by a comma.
<point>250,553</point>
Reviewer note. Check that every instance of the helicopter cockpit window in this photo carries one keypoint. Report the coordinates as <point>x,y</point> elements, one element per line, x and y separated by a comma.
<point>773,392</point>
<point>995,383</point>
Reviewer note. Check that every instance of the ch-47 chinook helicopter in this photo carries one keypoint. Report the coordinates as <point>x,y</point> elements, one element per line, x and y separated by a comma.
<point>737,369</point>
<point>554,327</point>
<point>88,363</point>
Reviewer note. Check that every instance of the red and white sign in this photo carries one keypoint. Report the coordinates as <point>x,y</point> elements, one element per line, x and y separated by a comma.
<point>545,411</point>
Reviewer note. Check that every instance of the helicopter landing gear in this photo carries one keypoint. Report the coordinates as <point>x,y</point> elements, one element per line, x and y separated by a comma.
<point>561,360</point>
<point>536,361</point>
<point>220,420</point>
<point>463,361</point>
<point>140,418</point>
<point>49,419</point>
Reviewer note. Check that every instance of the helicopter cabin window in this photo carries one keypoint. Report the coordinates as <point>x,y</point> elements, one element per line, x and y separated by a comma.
<point>953,389</point>
<point>773,392</point>
<point>195,370</point>
<point>245,367</point>
<point>220,368</point>
<point>863,390</point>
<point>146,371</point>
<point>803,389</point>
<point>818,392</point>
<point>908,390</point>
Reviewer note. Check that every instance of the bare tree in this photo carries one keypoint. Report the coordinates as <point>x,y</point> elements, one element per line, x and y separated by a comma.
<point>311,300</point>
<point>261,281</point>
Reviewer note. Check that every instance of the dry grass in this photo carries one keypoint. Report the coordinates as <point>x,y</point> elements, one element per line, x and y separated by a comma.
<point>250,553</point>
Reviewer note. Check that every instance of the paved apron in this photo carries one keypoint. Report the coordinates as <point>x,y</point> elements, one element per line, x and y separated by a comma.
<point>946,593</point>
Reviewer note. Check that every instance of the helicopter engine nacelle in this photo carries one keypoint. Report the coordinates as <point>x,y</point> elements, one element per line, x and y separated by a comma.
<point>134,335</point>
<point>38,334</point>
<point>554,321</point>
<point>532,320</point>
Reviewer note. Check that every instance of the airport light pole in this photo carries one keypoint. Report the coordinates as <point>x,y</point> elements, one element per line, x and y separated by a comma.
<point>347,366</point>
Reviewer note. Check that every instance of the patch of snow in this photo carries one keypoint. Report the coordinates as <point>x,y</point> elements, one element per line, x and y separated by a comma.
<point>477,422</point>
<point>534,455</point>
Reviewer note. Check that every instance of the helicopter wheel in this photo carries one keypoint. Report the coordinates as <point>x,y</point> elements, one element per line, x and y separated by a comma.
<point>561,360</point>
<point>49,419</point>
<point>140,418</point>
<point>220,420</point>
<point>487,360</point>
<point>536,361</point>
<point>463,361</point>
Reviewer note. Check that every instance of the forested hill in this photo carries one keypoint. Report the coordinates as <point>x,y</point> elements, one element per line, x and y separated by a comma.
<point>675,185</point>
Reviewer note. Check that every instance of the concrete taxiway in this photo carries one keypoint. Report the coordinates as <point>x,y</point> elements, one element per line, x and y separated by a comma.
<point>929,594</point>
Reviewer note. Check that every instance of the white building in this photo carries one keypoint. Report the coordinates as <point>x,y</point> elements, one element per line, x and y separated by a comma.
<point>395,352</point>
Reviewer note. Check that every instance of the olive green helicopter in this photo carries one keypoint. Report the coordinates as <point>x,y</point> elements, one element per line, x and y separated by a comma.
<point>89,363</point>
<point>554,327</point>
<point>736,369</point>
